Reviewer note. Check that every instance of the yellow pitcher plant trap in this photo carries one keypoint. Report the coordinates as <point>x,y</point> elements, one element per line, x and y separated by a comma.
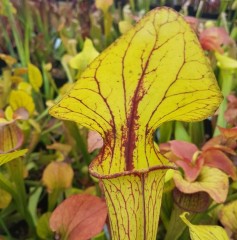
<point>154,73</point>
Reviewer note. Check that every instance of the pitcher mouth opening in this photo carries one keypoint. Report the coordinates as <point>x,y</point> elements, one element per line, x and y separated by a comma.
<point>132,172</point>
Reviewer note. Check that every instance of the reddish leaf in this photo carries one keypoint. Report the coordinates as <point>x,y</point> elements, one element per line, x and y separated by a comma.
<point>212,142</point>
<point>191,170</point>
<point>165,149</point>
<point>231,116</point>
<point>227,139</point>
<point>231,112</point>
<point>190,163</point>
<point>79,217</point>
<point>232,99</point>
<point>2,114</point>
<point>94,141</point>
<point>21,113</point>
<point>229,136</point>
<point>213,37</point>
<point>224,149</point>
<point>183,150</point>
<point>229,132</point>
<point>11,137</point>
<point>217,159</point>
<point>193,22</point>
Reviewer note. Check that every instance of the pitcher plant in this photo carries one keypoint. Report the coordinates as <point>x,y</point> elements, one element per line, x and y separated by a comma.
<point>154,73</point>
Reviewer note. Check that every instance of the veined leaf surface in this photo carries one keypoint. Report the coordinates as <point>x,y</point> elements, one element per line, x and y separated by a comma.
<point>204,232</point>
<point>81,216</point>
<point>228,216</point>
<point>11,138</point>
<point>154,73</point>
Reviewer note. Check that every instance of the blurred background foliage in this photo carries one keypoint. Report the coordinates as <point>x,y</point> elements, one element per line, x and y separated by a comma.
<point>45,45</point>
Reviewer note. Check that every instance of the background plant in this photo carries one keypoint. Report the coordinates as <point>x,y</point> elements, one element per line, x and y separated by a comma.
<point>45,46</point>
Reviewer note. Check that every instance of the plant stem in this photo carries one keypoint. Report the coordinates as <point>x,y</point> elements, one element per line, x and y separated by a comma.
<point>57,125</point>
<point>16,170</point>
<point>53,198</point>
<point>226,79</point>
<point>167,206</point>
<point>231,197</point>
<point>107,21</point>
<point>9,237</point>
<point>74,131</point>
<point>146,5</point>
<point>67,70</point>
<point>132,4</point>
<point>16,34</point>
<point>27,33</point>
<point>199,10</point>
<point>7,40</point>
<point>46,82</point>
<point>176,225</point>
<point>42,115</point>
<point>196,132</point>
<point>180,132</point>
<point>165,132</point>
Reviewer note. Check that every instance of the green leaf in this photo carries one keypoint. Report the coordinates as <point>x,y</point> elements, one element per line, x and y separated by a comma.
<point>165,132</point>
<point>7,157</point>
<point>33,202</point>
<point>42,228</point>
<point>100,236</point>
<point>8,186</point>
<point>225,62</point>
<point>181,133</point>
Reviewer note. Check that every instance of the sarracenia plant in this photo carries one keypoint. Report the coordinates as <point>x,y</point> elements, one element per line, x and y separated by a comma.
<point>154,73</point>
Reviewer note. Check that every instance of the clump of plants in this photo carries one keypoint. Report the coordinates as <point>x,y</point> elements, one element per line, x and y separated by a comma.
<point>117,120</point>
